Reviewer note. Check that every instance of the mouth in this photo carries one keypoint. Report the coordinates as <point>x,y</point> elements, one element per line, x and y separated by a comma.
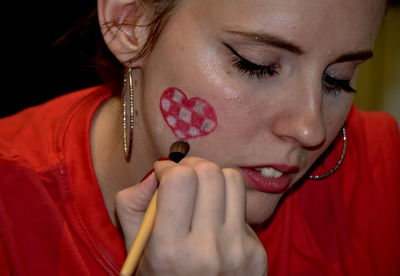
<point>274,179</point>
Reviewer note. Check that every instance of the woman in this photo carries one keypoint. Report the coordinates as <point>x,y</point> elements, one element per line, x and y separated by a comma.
<point>262,92</point>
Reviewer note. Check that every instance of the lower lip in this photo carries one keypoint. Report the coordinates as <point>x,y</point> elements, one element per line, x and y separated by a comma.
<point>266,184</point>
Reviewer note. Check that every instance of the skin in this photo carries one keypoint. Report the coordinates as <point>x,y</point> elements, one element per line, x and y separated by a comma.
<point>288,119</point>
<point>187,118</point>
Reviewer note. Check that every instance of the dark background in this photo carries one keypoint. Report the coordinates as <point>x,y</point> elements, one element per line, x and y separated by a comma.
<point>34,69</point>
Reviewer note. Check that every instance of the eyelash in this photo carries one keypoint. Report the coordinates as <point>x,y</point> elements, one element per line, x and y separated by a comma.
<point>336,86</point>
<point>331,84</point>
<point>254,70</point>
<point>251,69</point>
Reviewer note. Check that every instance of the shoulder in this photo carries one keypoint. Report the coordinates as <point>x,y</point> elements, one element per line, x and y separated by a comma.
<point>373,123</point>
<point>375,133</point>
<point>372,168</point>
<point>372,189</point>
<point>32,134</point>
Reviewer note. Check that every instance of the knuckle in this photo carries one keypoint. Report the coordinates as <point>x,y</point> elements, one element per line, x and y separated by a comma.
<point>206,167</point>
<point>245,254</point>
<point>205,259</point>
<point>235,254</point>
<point>204,256</point>
<point>232,174</point>
<point>191,160</point>
<point>161,259</point>
<point>235,180</point>
<point>235,261</point>
<point>211,262</point>
<point>258,259</point>
<point>178,175</point>
<point>121,200</point>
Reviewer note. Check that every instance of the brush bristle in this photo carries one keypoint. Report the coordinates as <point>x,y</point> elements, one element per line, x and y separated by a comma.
<point>180,146</point>
<point>178,150</point>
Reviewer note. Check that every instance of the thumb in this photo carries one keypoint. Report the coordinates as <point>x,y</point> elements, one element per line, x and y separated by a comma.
<point>131,204</point>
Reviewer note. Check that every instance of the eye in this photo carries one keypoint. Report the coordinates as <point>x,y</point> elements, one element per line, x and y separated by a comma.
<point>336,86</point>
<point>252,69</point>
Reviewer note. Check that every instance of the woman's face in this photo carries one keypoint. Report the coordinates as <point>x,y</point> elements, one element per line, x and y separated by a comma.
<point>276,79</point>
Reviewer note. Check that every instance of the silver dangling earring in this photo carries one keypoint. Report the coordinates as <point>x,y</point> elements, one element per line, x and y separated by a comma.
<point>334,169</point>
<point>127,112</point>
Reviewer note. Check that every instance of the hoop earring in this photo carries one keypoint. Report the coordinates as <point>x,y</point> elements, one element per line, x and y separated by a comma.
<point>336,167</point>
<point>127,112</point>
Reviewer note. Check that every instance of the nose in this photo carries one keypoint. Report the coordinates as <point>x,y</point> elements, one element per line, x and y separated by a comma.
<point>301,119</point>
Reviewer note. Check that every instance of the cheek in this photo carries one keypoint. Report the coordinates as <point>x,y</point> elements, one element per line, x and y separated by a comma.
<point>335,114</point>
<point>187,118</point>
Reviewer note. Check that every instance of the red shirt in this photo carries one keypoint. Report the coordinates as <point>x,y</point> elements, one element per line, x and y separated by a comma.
<point>53,220</point>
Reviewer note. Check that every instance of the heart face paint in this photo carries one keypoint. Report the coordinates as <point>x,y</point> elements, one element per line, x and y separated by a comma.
<point>187,118</point>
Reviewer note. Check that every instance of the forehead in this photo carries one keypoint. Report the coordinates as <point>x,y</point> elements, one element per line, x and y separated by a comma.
<point>307,22</point>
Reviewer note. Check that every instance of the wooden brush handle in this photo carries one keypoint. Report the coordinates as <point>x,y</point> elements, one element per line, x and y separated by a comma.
<point>141,239</point>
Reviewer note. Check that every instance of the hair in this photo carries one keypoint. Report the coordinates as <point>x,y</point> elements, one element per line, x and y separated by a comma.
<point>107,66</point>
<point>393,3</point>
<point>86,40</point>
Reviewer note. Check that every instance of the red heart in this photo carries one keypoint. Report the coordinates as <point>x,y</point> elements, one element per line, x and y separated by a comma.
<point>188,118</point>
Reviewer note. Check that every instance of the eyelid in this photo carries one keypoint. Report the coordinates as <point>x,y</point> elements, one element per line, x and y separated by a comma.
<point>252,69</point>
<point>343,84</point>
<point>236,53</point>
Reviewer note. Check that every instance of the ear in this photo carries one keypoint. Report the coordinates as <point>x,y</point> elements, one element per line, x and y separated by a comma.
<point>123,27</point>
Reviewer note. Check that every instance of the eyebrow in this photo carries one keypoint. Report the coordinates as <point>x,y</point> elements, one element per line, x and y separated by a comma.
<point>360,55</point>
<point>273,41</point>
<point>279,42</point>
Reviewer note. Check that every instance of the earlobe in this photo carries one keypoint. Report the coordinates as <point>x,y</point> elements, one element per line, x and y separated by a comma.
<point>123,27</point>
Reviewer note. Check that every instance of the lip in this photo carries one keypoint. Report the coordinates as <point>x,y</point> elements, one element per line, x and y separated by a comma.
<point>269,184</point>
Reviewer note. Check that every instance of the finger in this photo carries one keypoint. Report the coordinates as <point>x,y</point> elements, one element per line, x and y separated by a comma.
<point>177,194</point>
<point>209,210</point>
<point>131,203</point>
<point>235,199</point>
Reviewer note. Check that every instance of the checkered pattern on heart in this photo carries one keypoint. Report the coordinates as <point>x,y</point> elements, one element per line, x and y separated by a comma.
<point>188,118</point>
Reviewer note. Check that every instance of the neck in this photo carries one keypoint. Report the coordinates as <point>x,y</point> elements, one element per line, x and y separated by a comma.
<point>113,172</point>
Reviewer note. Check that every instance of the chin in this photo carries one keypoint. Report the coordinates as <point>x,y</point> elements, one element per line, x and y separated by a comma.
<point>260,206</point>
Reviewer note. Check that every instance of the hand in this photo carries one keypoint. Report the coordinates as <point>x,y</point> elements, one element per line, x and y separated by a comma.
<point>200,227</point>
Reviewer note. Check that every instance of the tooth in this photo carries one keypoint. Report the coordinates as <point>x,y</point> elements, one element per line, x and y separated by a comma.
<point>270,172</point>
<point>278,174</point>
<point>267,172</point>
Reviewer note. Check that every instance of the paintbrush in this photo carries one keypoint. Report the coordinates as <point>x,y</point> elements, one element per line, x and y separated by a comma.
<point>177,152</point>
